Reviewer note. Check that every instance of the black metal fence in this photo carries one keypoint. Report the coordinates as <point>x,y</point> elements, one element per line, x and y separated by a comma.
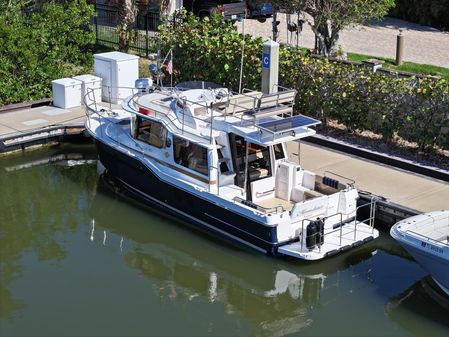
<point>145,29</point>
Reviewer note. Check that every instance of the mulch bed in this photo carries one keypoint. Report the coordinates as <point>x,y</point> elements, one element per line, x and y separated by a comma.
<point>398,147</point>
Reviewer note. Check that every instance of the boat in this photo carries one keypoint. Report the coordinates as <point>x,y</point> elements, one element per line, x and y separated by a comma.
<point>218,160</point>
<point>426,237</point>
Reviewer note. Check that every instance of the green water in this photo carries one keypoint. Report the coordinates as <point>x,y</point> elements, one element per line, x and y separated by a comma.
<point>76,260</point>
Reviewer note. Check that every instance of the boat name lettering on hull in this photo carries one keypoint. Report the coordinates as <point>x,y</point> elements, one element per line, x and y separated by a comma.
<point>432,247</point>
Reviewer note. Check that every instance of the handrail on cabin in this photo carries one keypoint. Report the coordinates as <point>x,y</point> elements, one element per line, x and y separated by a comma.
<point>257,106</point>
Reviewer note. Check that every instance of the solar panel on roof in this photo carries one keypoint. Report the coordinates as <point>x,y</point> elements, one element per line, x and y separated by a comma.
<point>289,123</point>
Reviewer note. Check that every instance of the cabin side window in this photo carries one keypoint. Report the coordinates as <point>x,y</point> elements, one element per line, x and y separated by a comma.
<point>151,132</point>
<point>278,151</point>
<point>190,155</point>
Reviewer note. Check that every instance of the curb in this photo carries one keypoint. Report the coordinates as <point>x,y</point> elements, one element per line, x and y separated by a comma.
<point>25,105</point>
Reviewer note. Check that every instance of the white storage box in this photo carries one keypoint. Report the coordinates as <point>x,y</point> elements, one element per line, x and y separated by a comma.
<point>119,71</point>
<point>66,93</point>
<point>284,180</point>
<point>90,84</point>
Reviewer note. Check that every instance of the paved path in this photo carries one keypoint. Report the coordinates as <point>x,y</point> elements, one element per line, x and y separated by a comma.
<point>421,45</point>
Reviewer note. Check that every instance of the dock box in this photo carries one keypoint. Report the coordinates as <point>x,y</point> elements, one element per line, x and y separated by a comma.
<point>90,84</point>
<point>66,93</point>
<point>119,71</point>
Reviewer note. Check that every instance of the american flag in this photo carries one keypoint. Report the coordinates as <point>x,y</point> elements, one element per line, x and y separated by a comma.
<point>170,66</point>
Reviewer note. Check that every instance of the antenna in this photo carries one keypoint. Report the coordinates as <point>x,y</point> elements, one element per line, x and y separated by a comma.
<point>243,53</point>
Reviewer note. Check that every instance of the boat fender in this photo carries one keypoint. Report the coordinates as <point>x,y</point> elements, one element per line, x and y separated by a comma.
<point>319,223</point>
<point>311,235</point>
<point>368,239</point>
<point>332,252</point>
<point>330,182</point>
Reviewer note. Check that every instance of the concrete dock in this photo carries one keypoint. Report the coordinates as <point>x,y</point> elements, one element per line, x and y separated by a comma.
<point>401,187</point>
<point>21,128</point>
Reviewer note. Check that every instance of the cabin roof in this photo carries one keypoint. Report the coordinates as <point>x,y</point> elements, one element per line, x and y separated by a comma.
<point>259,125</point>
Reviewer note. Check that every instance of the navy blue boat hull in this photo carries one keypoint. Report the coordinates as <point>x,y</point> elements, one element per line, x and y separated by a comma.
<point>142,184</point>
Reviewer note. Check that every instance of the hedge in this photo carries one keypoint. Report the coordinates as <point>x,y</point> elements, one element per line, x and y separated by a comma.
<point>417,109</point>
<point>434,13</point>
<point>39,46</point>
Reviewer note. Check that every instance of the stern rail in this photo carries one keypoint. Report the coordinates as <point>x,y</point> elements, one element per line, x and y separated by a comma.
<point>339,227</point>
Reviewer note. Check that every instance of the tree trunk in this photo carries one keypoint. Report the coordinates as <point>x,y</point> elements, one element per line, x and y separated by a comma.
<point>328,36</point>
<point>127,14</point>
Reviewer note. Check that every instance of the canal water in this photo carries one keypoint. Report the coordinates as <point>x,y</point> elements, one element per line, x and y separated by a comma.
<point>77,260</point>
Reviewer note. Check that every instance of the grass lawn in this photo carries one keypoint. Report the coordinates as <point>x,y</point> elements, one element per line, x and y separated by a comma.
<point>424,69</point>
<point>108,37</point>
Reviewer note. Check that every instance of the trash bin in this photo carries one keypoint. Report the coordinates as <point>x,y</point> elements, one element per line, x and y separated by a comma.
<point>66,93</point>
<point>90,88</point>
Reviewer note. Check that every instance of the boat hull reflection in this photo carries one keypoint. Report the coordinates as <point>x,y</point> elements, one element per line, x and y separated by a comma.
<point>276,296</point>
<point>425,300</point>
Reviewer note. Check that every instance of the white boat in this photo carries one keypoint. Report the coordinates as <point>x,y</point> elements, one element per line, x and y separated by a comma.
<point>218,160</point>
<point>426,238</point>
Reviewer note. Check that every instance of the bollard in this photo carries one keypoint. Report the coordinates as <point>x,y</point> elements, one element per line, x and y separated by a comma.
<point>270,67</point>
<point>373,65</point>
<point>399,48</point>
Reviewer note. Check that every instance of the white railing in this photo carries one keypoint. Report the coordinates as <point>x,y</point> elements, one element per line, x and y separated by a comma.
<point>370,220</point>
<point>92,109</point>
<point>246,113</point>
<point>423,237</point>
<point>172,118</point>
<point>430,222</point>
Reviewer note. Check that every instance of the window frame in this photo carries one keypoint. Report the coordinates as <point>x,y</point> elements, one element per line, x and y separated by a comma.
<point>185,162</point>
<point>163,134</point>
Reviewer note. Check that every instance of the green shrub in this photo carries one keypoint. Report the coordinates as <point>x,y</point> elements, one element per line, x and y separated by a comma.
<point>434,13</point>
<point>46,44</point>
<point>415,109</point>
<point>210,49</point>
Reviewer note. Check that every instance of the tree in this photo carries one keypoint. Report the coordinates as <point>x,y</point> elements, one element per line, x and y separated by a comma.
<point>328,17</point>
<point>41,44</point>
<point>127,14</point>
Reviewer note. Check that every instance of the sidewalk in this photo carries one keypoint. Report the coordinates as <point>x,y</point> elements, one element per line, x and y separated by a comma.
<point>421,44</point>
